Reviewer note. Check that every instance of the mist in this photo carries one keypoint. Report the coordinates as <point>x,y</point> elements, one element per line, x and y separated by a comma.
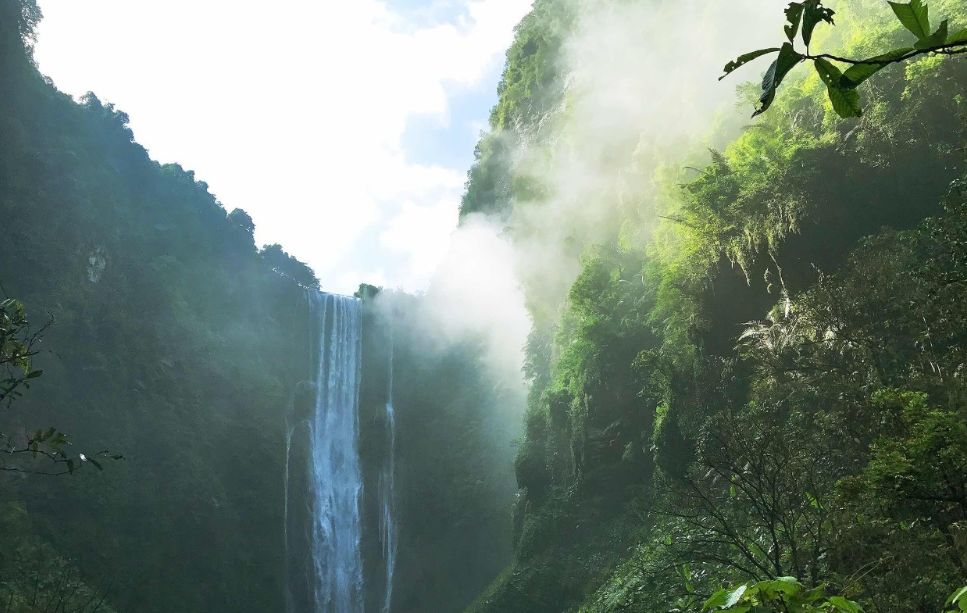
<point>641,95</point>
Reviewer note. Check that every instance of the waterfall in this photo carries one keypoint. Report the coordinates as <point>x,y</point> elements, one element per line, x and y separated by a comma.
<point>337,479</point>
<point>387,489</point>
<point>323,477</point>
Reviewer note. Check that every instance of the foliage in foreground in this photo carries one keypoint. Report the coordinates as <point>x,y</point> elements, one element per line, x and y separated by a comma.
<point>780,595</point>
<point>842,85</point>
<point>18,347</point>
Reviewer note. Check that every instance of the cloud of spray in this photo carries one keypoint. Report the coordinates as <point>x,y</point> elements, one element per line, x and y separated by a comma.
<point>641,93</point>
<point>475,294</point>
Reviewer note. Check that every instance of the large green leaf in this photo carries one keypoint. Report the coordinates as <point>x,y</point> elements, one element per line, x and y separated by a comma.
<point>735,596</point>
<point>744,59</point>
<point>958,598</point>
<point>842,604</point>
<point>794,17</point>
<point>936,39</point>
<point>787,60</point>
<point>914,16</point>
<point>781,585</point>
<point>814,12</point>
<point>716,600</point>
<point>846,100</point>
<point>957,37</point>
<point>858,73</point>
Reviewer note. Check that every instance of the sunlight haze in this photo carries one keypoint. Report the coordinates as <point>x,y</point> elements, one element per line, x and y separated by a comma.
<point>344,129</point>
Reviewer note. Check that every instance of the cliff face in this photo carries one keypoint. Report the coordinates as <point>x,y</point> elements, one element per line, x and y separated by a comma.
<point>454,460</point>
<point>172,342</point>
<point>179,344</point>
<point>660,341</point>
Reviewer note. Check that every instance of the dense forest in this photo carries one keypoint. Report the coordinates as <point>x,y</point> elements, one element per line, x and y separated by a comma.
<point>744,388</point>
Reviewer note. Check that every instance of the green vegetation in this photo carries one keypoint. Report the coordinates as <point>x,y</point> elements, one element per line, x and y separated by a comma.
<point>770,384</point>
<point>842,85</point>
<point>170,338</point>
<point>171,341</point>
<point>784,594</point>
<point>957,600</point>
<point>18,347</point>
<point>532,85</point>
<point>750,397</point>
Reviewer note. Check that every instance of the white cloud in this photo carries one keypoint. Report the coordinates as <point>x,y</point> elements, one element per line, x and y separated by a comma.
<point>293,110</point>
<point>421,235</point>
<point>476,294</point>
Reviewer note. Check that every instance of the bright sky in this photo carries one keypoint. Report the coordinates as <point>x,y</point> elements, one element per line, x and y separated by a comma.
<point>345,128</point>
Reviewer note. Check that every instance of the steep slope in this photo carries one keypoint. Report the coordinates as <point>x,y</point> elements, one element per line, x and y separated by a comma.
<point>173,342</point>
<point>662,373</point>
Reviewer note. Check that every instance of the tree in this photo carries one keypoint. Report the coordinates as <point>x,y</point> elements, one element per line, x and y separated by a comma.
<point>756,502</point>
<point>288,266</point>
<point>842,85</point>
<point>243,220</point>
<point>25,14</point>
<point>18,346</point>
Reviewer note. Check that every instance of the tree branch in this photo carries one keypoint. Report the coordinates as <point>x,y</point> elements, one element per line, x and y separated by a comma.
<point>945,49</point>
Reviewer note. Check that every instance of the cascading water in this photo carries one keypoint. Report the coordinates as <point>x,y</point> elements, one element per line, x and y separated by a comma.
<point>387,490</point>
<point>323,476</point>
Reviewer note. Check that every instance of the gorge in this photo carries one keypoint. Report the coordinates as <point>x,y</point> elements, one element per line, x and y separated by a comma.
<point>673,358</point>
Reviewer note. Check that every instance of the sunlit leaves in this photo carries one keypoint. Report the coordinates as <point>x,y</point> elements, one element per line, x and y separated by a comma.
<point>957,601</point>
<point>936,39</point>
<point>914,16</point>
<point>805,16</point>
<point>841,604</point>
<point>846,100</point>
<point>734,597</point>
<point>782,594</point>
<point>856,74</point>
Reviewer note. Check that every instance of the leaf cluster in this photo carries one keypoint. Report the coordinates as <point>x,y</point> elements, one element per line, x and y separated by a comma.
<point>842,85</point>
<point>780,595</point>
<point>18,346</point>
